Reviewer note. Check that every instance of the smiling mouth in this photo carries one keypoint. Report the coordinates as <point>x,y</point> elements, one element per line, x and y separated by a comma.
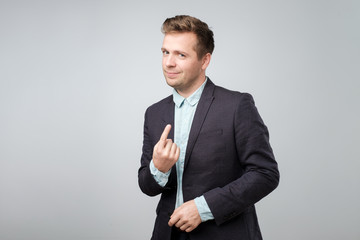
<point>171,74</point>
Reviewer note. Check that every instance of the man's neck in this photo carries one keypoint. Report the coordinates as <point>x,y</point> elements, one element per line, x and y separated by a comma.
<point>189,91</point>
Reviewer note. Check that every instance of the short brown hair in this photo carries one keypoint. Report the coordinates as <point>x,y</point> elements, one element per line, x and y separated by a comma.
<point>184,23</point>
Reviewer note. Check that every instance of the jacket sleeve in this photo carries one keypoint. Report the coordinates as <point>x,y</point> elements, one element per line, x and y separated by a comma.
<point>146,180</point>
<point>260,172</point>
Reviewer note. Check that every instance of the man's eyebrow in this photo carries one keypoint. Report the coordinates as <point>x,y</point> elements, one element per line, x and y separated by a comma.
<point>175,51</point>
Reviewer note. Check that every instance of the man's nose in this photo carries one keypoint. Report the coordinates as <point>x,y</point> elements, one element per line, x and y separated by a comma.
<point>170,61</point>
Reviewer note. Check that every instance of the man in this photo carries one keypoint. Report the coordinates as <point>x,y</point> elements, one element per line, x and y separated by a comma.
<point>205,150</point>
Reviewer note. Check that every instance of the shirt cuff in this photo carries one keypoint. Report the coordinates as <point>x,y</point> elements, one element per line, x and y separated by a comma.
<point>203,209</point>
<point>160,177</point>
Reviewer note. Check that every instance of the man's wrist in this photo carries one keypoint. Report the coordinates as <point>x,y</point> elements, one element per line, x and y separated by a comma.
<point>203,209</point>
<point>159,168</point>
<point>160,177</point>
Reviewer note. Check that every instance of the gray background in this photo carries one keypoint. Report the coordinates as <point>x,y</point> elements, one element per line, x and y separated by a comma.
<point>75,80</point>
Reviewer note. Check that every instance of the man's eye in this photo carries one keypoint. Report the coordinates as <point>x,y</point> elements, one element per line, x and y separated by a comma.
<point>181,55</point>
<point>165,52</point>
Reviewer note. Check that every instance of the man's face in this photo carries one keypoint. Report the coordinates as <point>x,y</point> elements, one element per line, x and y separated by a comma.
<point>181,66</point>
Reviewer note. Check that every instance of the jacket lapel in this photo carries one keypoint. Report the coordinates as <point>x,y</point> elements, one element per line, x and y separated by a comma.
<point>199,117</point>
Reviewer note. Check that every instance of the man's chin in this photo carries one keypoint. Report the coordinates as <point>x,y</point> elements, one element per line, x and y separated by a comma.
<point>172,82</point>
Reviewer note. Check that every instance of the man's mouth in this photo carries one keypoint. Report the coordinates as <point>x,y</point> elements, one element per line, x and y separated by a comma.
<point>171,74</point>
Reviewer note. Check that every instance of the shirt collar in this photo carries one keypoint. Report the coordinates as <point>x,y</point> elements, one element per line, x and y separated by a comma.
<point>192,99</point>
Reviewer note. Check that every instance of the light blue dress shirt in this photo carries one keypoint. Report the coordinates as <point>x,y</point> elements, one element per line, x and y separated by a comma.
<point>184,114</point>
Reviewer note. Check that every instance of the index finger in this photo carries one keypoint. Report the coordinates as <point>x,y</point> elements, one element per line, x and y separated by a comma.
<point>166,132</point>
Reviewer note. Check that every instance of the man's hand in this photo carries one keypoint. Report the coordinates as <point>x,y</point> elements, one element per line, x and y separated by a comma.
<point>166,153</point>
<point>186,217</point>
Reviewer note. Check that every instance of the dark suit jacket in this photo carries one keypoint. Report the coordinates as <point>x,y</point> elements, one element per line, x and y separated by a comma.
<point>228,160</point>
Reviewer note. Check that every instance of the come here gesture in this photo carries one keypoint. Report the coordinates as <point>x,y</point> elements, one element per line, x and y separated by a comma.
<point>166,152</point>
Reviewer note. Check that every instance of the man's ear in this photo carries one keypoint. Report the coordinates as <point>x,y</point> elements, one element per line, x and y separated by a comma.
<point>206,61</point>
